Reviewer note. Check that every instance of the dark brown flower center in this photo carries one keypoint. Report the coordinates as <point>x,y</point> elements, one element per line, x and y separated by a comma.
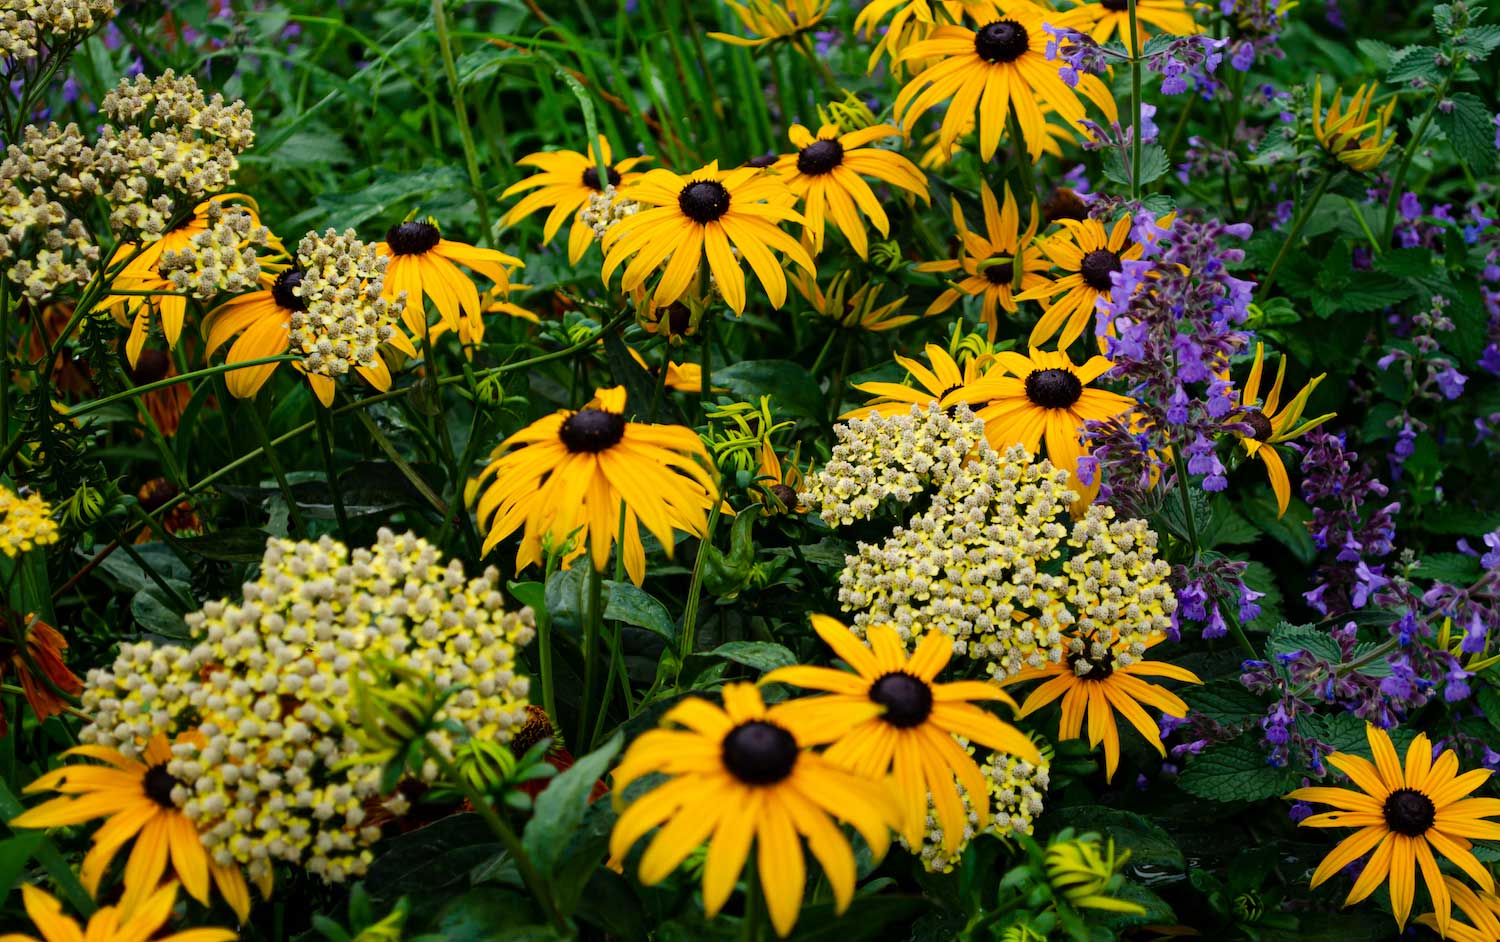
<point>412,238</point>
<point>1002,41</point>
<point>759,753</point>
<point>1086,667</point>
<point>152,366</point>
<point>1001,272</point>
<point>591,178</point>
<point>785,495</point>
<point>1096,268</point>
<point>703,201</point>
<point>1053,389</point>
<point>1257,420</point>
<point>1409,812</point>
<point>592,430</point>
<point>820,157</point>
<point>1064,204</point>
<point>155,493</point>
<point>679,319</point>
<point>907,699</point>
<point>159,784</point>
<point>761,161</point>
<point>284,290</point>
<point>1115,6</point>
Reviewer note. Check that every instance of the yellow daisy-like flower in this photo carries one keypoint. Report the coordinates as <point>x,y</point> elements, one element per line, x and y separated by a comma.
<point>566,182</point>
<point>861,310</point>
<point>25,522</point>
<point>1109,18</point>
<point>582,470</point>
<point>140,274</point>
<point>494,300</point>
<point>826,174</point>
<point>1095,681</point>
<point>1355,139</point>
<point>1046,397</point>
<point>778,489</point>
<point>1403,815</point>
<point>109,923</point>
<point>743,774</point>
<point>1482,909</point>
<point>1272,427</point>
<point>706,213</point>
<point>772,20</point>
<point>423,263</point>
<point>912,21</point>
<point>139,800</point>
<point>913,737</point>
<point>998,265</point>
<point>683,377</point>
<point>945,384</point>
<point>262,323</point>
<point>1088,254</point>
<point>998,69</point>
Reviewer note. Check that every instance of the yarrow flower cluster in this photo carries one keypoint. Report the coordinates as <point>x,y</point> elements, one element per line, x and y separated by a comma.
<point>44,245</point>
<point>25,523</point>
<point>29,27</point>
<point>1017,789</point>
<point>262,709</point>
<point>894,457</point>
<point>975,564</point>
<point>346,319</point>
<point>220,259</point>
<point>604,209</point>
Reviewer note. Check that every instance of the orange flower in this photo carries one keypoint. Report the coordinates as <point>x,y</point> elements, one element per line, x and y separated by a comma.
<point>39,650</point>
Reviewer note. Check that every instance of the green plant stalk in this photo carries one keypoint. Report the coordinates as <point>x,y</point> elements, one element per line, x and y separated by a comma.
<point>661,385</point>
<point>407,471</point>
<point>1135,103</point>
<point>752,924</point>
<point>704,394</point>
<point>276,469</point>
<point>48,856</point>
<point>445,449</point>
<point>544,649</point>
<point>5,366</point>
<point>1410,151</point>
<point>206,372</point>
<point>461,113</point>
<point>592,622</point>
<point>512,844</point>
<point>1022,155</point>
<point>695,586</point>
<point>1303,215</point>
<point>330,472</point>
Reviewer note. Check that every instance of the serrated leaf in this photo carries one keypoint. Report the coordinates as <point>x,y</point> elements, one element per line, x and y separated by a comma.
<point>561,806</point>
<point>1469,129</point>
<point>1287,639</point>
<point>1377,52</point>
<point>1405,263</point>
<point>1454,568</point>
<point>636,607</point>
<point>1480,41</point>
<point>1373,291</point>
<point>1411,62</point>
<point>1235,771</point>
<point>792,389</point>
<point>1147,842</point>
<point>761,655</point>
<point>1224,701</point>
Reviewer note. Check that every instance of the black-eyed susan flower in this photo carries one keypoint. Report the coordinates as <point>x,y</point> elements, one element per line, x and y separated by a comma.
<point>988,73</point>
<point>1097,679</point>
<point>778,488</point>
<point>708,212</point>
<point>580,471</point>
<point>109,923</point>
<point>769,21</point>
<point>997,265</point>
<point>1046,398</point>
<point>260,324</point>
<point>944,383</point>
<point>1482,909</point>
<point>826,174</point>
<point>1272,427</point>
<point>166,405</point>
<point>424,264</point>
<point>493,300</point>
<point>140,800</point>
<point>1088,255</point>
<point>683,377</point>
<point>39,644</point>
<point>912,738</point>
<point>742,776</point>
<point>567,181</point>
<point>860,310</point>
<point>1404,814</point>
<point>911,21</point>
<point>1348,132</point>
<point>1110,18</point>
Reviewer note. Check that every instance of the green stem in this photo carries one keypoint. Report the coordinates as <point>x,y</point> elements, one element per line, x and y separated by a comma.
<point>1410,151</point>
<point>593,620</point>
<point>330,471</point>
<point>498,826</point>
<point>1303,215</point>
<point>752,925</point>
<point>407,471</point>
<point>97,404</point>
<point>461,113</point>
<point>269,450</point>
<point>1135,104</point>
<point>690,613</point>
<point>1022,155</point>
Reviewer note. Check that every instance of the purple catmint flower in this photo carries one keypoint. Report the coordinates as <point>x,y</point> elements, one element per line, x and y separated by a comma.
<point>1451,383</point>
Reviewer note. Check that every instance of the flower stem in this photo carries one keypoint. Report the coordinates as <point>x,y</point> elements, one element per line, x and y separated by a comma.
<point>98,404</point>
<point>690,612</point>
<point>277,470</point>
<point>1410,151</point>
<point>1022,155</point>
<point>330,472</point>
<point>512,844</point>
<point>1303,215</point>
<point>461,113</point>
<point>592,623</point>
<point>1135,104</point>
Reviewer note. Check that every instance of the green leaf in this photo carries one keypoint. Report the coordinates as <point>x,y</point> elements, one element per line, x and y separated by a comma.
<point>1455,568</point>
<point>1235,771</point>
<point>1377,52</point>
<point>234,545</point>
<point>154,612</point>
<point>637,607</point>
<point>492,914</point>
<point>561,806</point>
<point>1287,639</point>
<point>792,389</point>
<point>1289,530</point>
<point>1405,263</point>
<point>423,863</point>
<point>1148,843</point>
<point>1412,62</point>
<point>761,655</point>
<point>15,854</point>
<point>1480,41</point>
<point>1373,291</point>
<point>1224,701</point>
<point>1467,125</point>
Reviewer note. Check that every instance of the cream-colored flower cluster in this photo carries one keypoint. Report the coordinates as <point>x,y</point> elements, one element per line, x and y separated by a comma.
<point>1017,789</point>
<point>995,561</point>
<point>346,318</point>
<point>222,258</point>
<point>43,245</point>
<point>606,208</point>
<point>894,457</point>
<point>29,27</point>
<point>25,522</point>
<point>262,707</point>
